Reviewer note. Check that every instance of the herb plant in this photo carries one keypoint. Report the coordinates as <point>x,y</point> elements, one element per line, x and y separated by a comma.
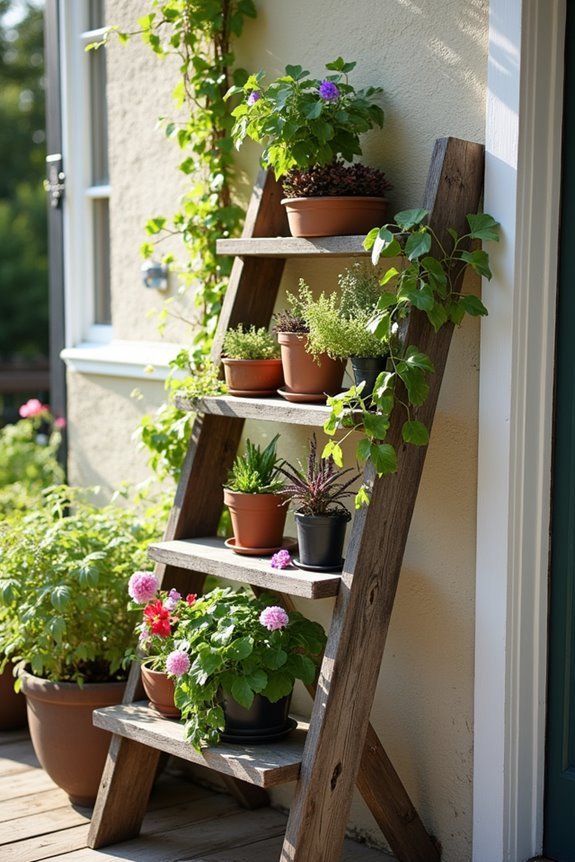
<point>257,471</point>
<point>304,121</point>
<point>428,277</point>
<point>317,489</point>
<point>252,343</point>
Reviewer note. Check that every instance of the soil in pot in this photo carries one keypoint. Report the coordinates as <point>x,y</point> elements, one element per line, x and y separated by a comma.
<point>262,722</point>
<point>334,215</point>
<point>253,377</point>
<point>71,750</point>
<point>303,375</point>
<point>320,540</point>
<point>12,704</point>
<point>258,520</point>
<point>159,688</point>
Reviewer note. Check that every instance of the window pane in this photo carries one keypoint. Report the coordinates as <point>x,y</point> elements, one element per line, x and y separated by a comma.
<point>99,117</point>
<point>102,295</point>
<point>96,15</point>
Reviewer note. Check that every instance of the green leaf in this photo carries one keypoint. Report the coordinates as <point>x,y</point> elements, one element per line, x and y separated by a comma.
<point>483,227</point>
<point>383,239</point>
<point>362,498</point>
<point>279,684</point>
<point>414,358</point>
<point>376,426</point>
<point>478,260</point>
<point>387,298</point>
<point>257,679</point>
<point>333,449</point>
<point>407,219</point>
<point>417,388</point>
<point>363,449</point>
<point>242,693</point>
<point>60,597</point>
<point>418,244</point>
<point>383,458</point>
<point>472,305</point>
<point>437,316</point>
<point>313,110</point>
<point>415,432</point>
<point>370,238</point>
<point>209,661</point>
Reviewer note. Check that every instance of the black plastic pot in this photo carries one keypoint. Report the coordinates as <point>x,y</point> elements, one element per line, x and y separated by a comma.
<point>320,540</point>
<point>262,722</point>
<point>367,368</point>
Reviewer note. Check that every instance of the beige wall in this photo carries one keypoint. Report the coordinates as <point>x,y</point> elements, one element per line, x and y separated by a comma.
<point>430,59</point>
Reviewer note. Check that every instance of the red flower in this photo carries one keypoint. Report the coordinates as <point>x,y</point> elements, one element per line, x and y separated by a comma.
<point>157,619</point>
<point>191,598</point>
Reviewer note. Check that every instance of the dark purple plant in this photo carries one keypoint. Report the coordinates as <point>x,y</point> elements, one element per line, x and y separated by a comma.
<point>317,489</point>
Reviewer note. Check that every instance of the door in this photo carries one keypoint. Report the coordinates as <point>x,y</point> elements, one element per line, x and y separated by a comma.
<point>559,838</point>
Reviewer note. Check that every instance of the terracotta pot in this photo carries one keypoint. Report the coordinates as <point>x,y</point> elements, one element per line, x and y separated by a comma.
<point>334,216</point>
<point>71,750</point>
<point>302,373</point>
<point>247,377</point>
<point>258,520</point>
<point>159,688</point>
<point>12,704</point>
<point>320,540</point>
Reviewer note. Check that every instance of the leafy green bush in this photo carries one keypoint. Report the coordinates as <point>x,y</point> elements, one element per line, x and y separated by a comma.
<point>252,343</point>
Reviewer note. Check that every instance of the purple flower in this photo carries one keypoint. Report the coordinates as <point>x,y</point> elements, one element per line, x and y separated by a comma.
<point>274,618</point>
<point>281,560</point>
<point>172,600</point>
<point>328,91</point>
<point>143,586</point>
<point>178,662</point>
<point>254,97</point>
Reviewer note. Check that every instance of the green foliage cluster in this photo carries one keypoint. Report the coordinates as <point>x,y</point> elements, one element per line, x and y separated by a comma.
<point>64,569</point>
<point>28,462</point>
<point>234,653</point>
<point>252,343</point>
<point>257,471</point>
<point>428,279</point>
<point>23,228</point>
<point>297,125</point>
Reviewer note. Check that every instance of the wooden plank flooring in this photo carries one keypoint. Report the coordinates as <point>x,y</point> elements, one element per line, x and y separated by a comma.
<point>184,822</point>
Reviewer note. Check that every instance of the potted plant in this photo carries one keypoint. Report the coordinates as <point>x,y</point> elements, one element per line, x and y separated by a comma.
<point>251,360</point>
<point>63,575</point>
<point>254,495</point>
<point>310,128</point>
<point>234,659</point>
<point>309,375</point>
<point>321,519</point>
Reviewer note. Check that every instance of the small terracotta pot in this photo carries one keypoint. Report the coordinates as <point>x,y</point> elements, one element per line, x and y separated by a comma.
<point>159,688</point>
<point>258,520</point>
<point>302,373</point>
<point>71,750</point>
<point>253,376</point>
<point>12,704</point>
<point>334,216</point>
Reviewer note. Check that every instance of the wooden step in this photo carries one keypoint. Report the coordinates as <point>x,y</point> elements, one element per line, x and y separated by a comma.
<point>274,409</point>
<point>210,556</point>
<point>290,246</point>
<point>263,765</point>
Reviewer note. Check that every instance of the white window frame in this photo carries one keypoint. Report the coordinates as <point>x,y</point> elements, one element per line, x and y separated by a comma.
<point>80,192</point>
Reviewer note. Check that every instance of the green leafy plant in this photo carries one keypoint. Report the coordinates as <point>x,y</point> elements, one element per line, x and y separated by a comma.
<point>252,343</point>
<point>64,568</point>
<point>316,488</point>
<point>239,645</point>
<point>303,121</point>
<point>428,277</point>
<point>257,471</point>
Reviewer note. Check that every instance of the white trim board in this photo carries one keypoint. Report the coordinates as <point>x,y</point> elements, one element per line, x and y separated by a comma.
<point>139,360</point>
<point>522,185</point>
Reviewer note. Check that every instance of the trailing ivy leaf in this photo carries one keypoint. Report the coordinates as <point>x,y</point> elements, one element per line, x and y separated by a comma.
<point>483,227</point>
<point>414,358</point>
<point>387,299</point>
<point>380,325</point>
<point>242,693</point>
<point>418,244</point>
<point>362,498</point>
<point>472,305</point>
<point>415,432</point>
<point>334,450</point>
<point>455,311</point>
<point>417,388</point>
<point>384,458</point>
<point>376,426</point>
<point>370,238</point>
<point>407,219</point>
<point>383,239</point>
<point>436,275</point>
<point>478,260</point>
<point>437,316</point>
<point>363,449</point>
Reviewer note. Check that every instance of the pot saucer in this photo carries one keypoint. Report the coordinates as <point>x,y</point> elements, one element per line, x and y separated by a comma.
<point>289,395</point>
<point>288,544</point>
<point>252,393</point>
<point>258,738</point>
<point>307,568</point>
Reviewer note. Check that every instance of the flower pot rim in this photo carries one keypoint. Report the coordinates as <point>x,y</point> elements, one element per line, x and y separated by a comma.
<point>254,494</point>
<point>286,201</point>
<point>272,361</point>
<point>47,689</point>
<point>334,513</point>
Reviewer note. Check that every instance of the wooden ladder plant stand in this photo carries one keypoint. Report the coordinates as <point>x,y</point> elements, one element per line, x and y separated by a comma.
<point>340,749</point>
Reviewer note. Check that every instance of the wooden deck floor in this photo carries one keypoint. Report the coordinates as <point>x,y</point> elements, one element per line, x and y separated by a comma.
<point>184,822</point>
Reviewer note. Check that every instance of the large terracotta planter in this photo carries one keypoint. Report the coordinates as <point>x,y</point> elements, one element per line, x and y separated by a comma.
<point>303,376</point>
<point>12,704</point>
<point>159,688</point>
<point>334,216</point>
<point>258,520</point>
<point>253,377</point>
<point>71,750</point>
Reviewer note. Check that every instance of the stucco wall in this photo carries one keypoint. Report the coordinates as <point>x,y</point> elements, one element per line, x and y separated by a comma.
<point>430,59</point>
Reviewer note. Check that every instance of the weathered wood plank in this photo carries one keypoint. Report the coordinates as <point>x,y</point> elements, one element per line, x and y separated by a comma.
<point>262,765</point>
<point>17,757</point>
<point>210,556</point>
<point>24,783</point>
<point>358,632</point>
<point>28,806</point>
<point>270,850</point>
<point>64,817</point>
<point>261,409</point>
<point>334,246</point>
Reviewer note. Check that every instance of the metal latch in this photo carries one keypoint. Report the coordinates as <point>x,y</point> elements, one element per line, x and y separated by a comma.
<point>54,184</point>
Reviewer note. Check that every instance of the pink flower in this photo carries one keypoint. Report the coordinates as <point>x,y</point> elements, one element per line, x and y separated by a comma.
<point>143,587</point>
<point>178,662</point>
<point>281,560</point>
<point>60,423</point>
<point>172,600</point>
<point>33,407</point>
<point>274,618</point>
